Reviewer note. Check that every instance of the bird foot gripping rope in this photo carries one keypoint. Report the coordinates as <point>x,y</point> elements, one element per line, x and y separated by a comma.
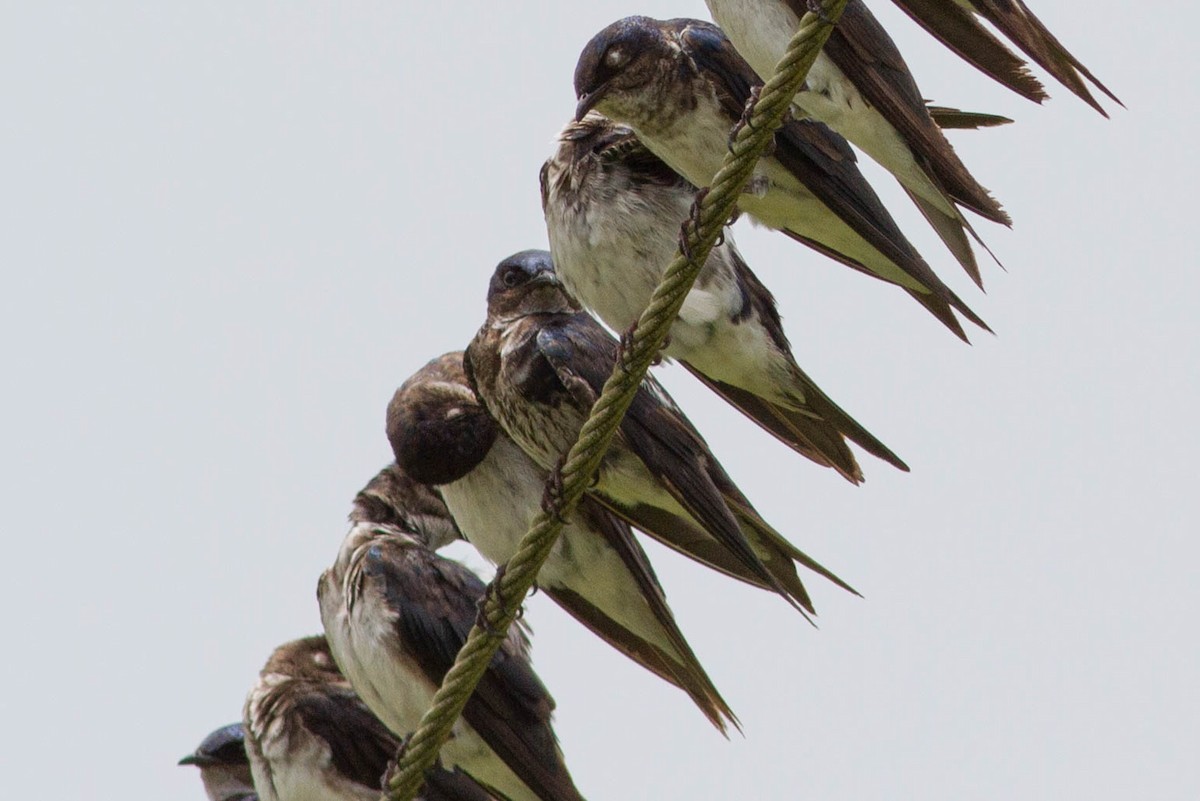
<point>583,460</point>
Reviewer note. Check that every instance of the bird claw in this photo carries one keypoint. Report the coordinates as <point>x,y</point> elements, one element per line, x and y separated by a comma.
<point>748,112</point>
<point>817,9</point>
<point>694,221</point>
<point>492,590</point>
<point>625,352</point>
<point>553,492</point>
<point>393,766</point>
<point>658,357</point>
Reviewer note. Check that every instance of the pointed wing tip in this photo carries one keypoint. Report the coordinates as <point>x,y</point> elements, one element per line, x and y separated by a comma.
<point>723,718</point>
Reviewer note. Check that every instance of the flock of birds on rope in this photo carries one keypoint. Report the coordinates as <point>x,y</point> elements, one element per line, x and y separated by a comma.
<point>476,434</point>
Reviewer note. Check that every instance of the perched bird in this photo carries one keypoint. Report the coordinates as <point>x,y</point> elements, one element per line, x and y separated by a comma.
<point>538,364</point>
<point>394,498</point>
<point>861,87</point>
<point>956,24</point>
<point>597,572</point>
<point>224,766</point>
<point>613,211</point>
<point>396,614</point>
<point>310,737</point>
<point>682,87</point>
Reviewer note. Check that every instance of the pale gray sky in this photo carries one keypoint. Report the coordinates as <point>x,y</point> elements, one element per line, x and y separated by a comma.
<point>229,230</point>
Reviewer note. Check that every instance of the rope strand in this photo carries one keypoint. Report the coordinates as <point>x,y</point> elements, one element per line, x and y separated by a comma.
<point>506,594</point>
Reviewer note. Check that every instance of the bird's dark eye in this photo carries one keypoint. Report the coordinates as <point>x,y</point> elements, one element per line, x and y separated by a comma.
<point>615,58</point>
<point>511,278</point>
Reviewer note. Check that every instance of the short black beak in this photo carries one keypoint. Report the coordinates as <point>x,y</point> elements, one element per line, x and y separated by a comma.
<point>544,278</point>
<point>588,101</point>
<point>199,760</point>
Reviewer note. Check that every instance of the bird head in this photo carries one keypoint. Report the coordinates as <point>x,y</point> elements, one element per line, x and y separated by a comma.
<point>622,58</point>
<point>225,746</point>
<point>396,499</point>
<point>525,283</point>
<point>306,659</point>
<point>438,429</point>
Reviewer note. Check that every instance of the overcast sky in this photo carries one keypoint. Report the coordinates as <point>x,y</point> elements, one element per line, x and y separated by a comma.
<point>230,230</point>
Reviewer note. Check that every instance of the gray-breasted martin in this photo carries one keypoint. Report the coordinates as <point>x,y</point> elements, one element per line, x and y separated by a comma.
<point>311,738</point>
<point>597,572</point>
<point>613,211</point>
<point>861,87</point>
<point>539,363</point>
<point>396,614</point>
<point>682,87</point>
<point>224,766</point>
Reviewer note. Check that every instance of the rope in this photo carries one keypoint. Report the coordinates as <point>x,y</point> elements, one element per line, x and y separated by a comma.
<point>507,592</point>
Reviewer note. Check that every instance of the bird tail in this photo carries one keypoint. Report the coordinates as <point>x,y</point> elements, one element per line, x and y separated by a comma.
<point>949,118</point>
<point>1026,31</point>
<point>781,556</point>
<point>951,229</point>
<point>654,642</point>
<point>957,29</point>
<point>818,433</point>
<point>676,664</point>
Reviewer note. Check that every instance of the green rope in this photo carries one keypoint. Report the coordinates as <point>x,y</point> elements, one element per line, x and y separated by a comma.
<point>507,593</point>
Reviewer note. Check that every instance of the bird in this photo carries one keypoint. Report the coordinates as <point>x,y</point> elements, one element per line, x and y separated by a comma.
<point>538,363</point>
<point>396,614</point>
<point>393,497</point>
<point>224,766</point>
<point>860,86</point>
<point>442,435</point>
<point>612,212</point>
<point>682,87</point>
<point>956,24</point>
<point>311,738</point>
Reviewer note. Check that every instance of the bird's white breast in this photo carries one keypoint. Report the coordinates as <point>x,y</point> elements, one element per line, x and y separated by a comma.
<point>494,505</point>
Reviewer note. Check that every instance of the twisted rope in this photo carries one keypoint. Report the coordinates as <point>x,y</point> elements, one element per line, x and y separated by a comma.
<point>506,594</point>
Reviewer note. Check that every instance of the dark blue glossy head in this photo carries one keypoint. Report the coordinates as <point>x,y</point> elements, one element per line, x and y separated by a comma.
<point>225,746</point>
<point>521,269</point>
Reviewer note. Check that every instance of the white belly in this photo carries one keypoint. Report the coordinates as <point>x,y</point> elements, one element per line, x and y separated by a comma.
<point>581,560</point>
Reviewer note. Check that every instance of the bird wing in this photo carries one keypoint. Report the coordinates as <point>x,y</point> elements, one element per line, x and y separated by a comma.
<point>654,429</point>
<point>359,744</point>
<point>862,49</point>
<point>957,29</point>
<point>682,668</point>
<point>1022,27</point>
<point>451,785</point>
<point>825,164</point>
<point>435,602</point>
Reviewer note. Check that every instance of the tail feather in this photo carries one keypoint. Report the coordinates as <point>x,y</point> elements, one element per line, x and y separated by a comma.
<point>809,436</point>
<point>950,228</point>
<point>957,29</point>
<point>1027,32</point>
<point>682,669</point>
<point>952,118</point>
<point>672,660</point>
<point>785,553</point>
<point>818,433</point>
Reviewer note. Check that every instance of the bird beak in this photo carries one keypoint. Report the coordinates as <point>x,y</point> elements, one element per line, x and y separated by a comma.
<point>588,101</point>
<point>199,760</point>
<point>545,277</point>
